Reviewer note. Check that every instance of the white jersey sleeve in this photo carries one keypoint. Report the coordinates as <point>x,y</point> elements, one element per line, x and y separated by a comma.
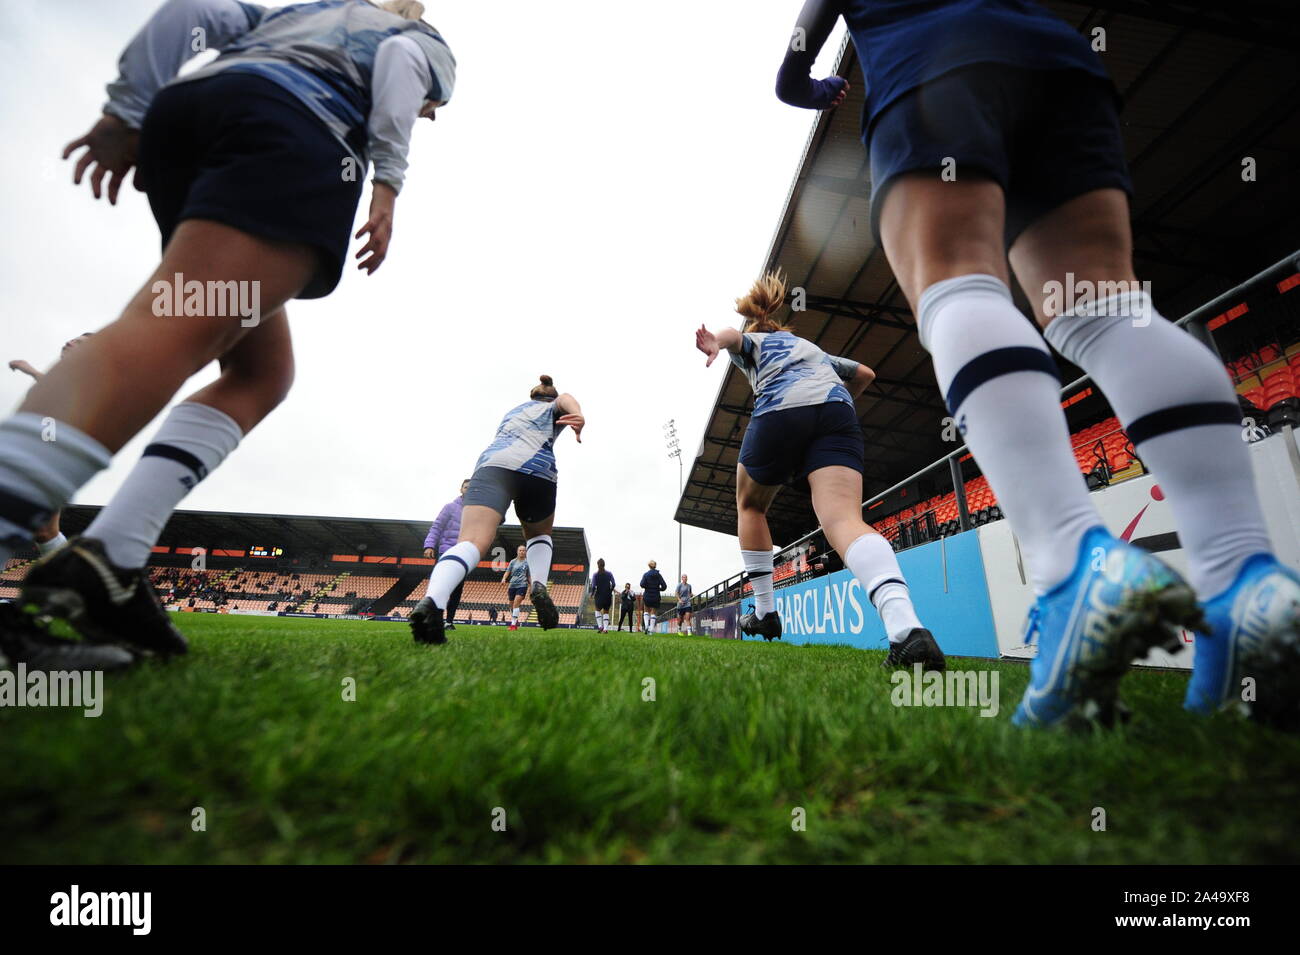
<point>402,80</point>
<point>177,32</point>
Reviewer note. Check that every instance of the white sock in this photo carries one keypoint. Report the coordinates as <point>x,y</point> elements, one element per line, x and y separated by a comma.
<point>654,621</point>
<point>540,550</point>
<point>51,545</point>
<point>1001,385</point>
<point>645,621</point>
<point>758,571</point>
<point>1175,401</point>
<point>871,560</point>
<point>42,464</point>
<point>193,440</point>
<point>451,568</point>
<point>514,614</point>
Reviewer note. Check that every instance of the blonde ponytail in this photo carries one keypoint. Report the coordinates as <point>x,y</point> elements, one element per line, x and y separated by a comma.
<point>409,9</point>
<point>765,298</point>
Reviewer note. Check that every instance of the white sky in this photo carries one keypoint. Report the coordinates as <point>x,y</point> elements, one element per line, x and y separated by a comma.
<point>606,178</point>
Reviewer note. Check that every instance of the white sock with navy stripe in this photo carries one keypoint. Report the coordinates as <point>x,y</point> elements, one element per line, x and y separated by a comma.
<point>758,571</point>
<point>1180,411</point>
<point>540,550</point>
<point>1001,386</point>
<point>871,560</point>
<point>42,464</point>
<point>451,568</point>
<point>193,441</point>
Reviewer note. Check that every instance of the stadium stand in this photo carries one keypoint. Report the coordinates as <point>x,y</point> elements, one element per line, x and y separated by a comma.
<point>319,566</point>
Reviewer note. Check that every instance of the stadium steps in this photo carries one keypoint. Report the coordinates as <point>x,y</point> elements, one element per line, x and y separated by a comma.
<point>324,589</point>
<point>397,593</point>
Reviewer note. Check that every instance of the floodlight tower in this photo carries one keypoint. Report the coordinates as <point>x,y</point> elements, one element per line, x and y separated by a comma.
<point>674,446</point>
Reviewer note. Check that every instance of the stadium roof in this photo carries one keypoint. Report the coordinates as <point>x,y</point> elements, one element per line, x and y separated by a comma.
<point>314,536</point>
<point>1202,89</point>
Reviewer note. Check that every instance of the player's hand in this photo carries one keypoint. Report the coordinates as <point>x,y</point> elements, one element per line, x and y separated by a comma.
<point>111,147</point>
<point>428,552</point>
<point>837,81</point>
<point>707,342</point>
<point>379,226</point>
<point>575,421</point>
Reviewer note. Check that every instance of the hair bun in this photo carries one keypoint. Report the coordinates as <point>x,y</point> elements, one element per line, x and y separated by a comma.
<point>547,381</point>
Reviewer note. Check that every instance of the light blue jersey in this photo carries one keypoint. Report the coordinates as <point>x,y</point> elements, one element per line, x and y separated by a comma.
<point>525,441</point>
<point>787,371</point>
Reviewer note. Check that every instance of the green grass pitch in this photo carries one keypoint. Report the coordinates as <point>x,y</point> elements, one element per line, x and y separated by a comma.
<point>552,728</point>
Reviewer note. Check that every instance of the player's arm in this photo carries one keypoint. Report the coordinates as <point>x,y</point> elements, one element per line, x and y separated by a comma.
<point>571,414</point>
<point>856,376</point>
<point>713,343</point>
<point>794,85</point>
<point>18,364</point>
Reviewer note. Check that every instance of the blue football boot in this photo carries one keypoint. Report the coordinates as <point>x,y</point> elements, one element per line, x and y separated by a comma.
<point>1248,655</point>
<point>1117,605</point>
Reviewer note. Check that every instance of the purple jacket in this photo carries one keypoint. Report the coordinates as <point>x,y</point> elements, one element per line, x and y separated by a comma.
<point>446,529</point>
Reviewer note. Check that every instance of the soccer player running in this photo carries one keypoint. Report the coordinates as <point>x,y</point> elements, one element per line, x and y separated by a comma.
<point>652,587</point>
<point>627,608</point>
<point>602,589</point>
<point>254,165</point>
<point>442,537</point>
<point>683,608</point>
<point>1019,107</point>
<point>804,428</point>
<point>516,580</point>
<point>519,467</point>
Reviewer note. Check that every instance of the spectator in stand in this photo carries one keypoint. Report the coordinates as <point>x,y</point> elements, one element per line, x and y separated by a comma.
<point>652,585</point>
<point>627,608</point>
<point>442,537</point>
<point>492,616</point>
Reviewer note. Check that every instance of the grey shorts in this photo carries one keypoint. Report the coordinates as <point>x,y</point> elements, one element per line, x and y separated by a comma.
<point>497,488</point>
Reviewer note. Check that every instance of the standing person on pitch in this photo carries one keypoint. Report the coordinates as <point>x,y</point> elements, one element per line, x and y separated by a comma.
<point>602,589</point>
<point>48,538</point>
<point>254,165</point>
<point>804,428</point>
<point>516,580</point>
<point>1025,110</point>
<point>517,467</point>
<point>652,587</point>
<point>627,608</point>
<point>684,593</point>
<point>442,537</point>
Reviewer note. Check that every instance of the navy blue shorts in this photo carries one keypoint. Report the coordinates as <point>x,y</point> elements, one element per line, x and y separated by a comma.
<point>782,447</point>
<point>1045,136</point>
<point>514,592</point>
<point>243,151</point>
<point>604,603</point>
<point>497,488</point>
<point>651,603</point>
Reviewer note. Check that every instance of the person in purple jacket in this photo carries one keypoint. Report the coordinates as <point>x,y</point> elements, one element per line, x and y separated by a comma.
<point>442,537</point>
